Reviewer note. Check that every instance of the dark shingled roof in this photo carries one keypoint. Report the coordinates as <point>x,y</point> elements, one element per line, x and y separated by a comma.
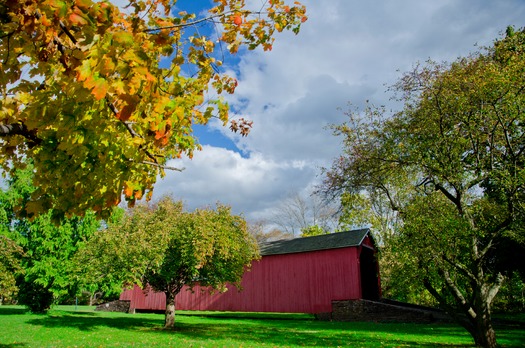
<point>322,242</point>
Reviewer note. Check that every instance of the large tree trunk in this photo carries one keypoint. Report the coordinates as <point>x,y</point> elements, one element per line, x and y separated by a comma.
<point>474,317</point>
<point>169,321</point>
<point>480,327</point>
<point>484,334</point>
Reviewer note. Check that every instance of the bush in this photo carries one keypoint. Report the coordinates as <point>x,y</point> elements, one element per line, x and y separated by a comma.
<point>35,297</point>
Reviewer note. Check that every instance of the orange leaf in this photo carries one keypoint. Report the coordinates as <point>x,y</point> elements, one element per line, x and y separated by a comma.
<point>237,20</point>
<point>100,89</point>
<point>138,194</point>
<point>75,18</point>
<point>163,141</point>
<point>112,202</point>
<point>45,21</point>
<point>128,191</point>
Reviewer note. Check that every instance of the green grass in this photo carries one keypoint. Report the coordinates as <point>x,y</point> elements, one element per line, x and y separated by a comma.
<point>66,327</point>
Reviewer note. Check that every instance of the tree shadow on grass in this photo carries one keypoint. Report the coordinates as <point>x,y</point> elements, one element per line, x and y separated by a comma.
<point>286,333</point>
<point>90,322</point>
<point>252,332</point>
<point>12,310</point>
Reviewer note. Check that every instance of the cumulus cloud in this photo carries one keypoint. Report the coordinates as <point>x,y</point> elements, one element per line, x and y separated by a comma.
<point>346,52</point>
<point>250,185</point>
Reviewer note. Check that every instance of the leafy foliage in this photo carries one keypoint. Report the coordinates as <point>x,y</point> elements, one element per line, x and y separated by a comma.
<point>163,247</point>
<point>39,252</point>
<point>10,267</point>
<point>451,164</point>
<point>35,296</point>
<point>313,230</point>
<point>101,99</point>
<point>49,250</point>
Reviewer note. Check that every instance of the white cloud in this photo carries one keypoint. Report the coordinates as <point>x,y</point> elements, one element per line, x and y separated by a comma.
<point>346,51</point>
<point>249,185</point>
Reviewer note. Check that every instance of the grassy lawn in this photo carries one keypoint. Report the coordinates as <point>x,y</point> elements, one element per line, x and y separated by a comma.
<point>66,327</point>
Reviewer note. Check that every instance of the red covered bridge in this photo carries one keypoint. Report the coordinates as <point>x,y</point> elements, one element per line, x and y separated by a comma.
<point>302,275</point>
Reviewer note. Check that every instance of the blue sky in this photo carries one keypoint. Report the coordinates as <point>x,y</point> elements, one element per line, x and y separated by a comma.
<point>348,51</point>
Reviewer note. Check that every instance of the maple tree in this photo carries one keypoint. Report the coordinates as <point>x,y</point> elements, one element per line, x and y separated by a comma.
<point>101,98</point>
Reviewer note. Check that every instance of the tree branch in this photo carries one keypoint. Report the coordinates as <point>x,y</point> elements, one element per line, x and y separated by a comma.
<point>393,205</point>
<point>495,288</point>
<point>163,167</point>
<point>67,32</point>
<point>134,134</point>
<point>447,307</point>
<point>7,130</point>
<point>201,20</point>
<point>461,268</point>
<point>177,26</point>
<point>458,296</point>
<point>454,199</point>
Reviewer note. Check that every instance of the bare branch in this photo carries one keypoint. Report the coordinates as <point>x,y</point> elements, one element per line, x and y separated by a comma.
<point>163,167</point>
<point>189,24</point>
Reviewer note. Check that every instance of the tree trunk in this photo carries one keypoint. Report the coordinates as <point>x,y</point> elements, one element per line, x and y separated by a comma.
<point>482,331</point>
<point>476,319</point>
<point>169,321</point>
<point>481,327</point>
<point>485,335</point>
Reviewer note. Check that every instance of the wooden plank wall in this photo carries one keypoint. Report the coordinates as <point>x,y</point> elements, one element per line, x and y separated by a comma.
<point>289,283</point>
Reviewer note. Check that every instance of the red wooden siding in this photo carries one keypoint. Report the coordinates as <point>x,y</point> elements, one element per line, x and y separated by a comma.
<point>304,282</point>
<point>368,242</point>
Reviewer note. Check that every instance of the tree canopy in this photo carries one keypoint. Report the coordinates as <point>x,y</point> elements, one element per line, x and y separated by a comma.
<point>10,268</point>
<point>101,98</point>
<point>37,253</point>
<point>451,163</point>
<point>163,247</point>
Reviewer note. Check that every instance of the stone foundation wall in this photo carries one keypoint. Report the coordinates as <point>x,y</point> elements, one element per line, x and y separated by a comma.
<point>363,310</point>
<point>114,306</point>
